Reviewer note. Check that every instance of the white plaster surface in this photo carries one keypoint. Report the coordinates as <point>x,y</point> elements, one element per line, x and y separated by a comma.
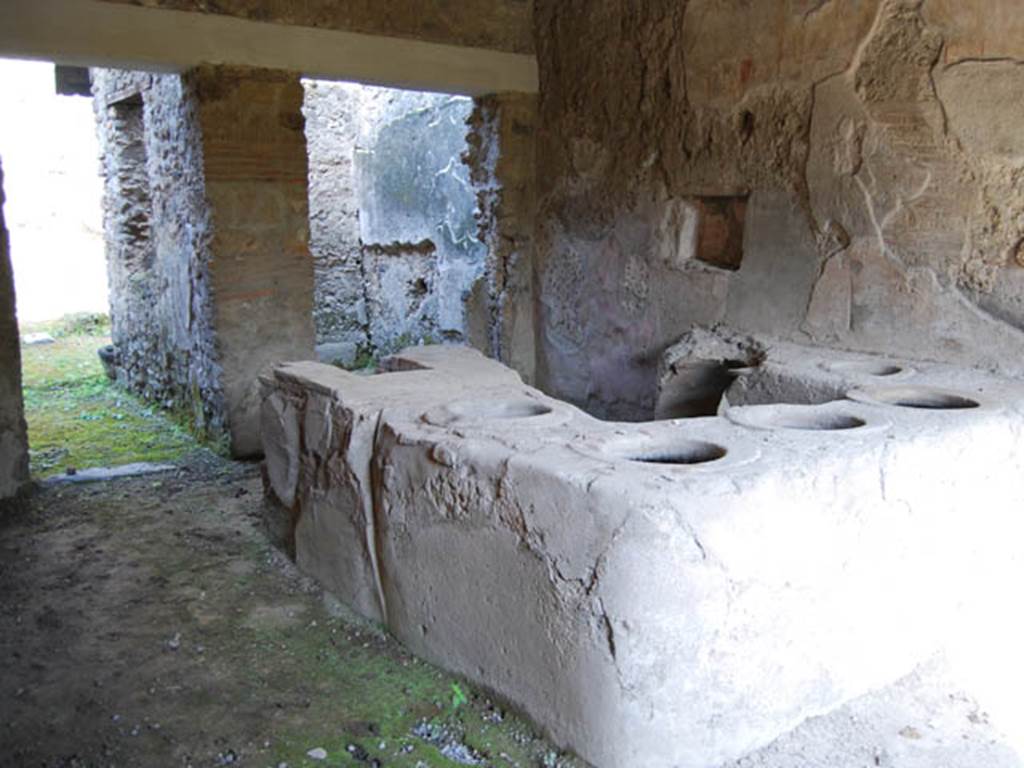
<point>644,612</point>
<point>95,474</point>
<point>925,720</point>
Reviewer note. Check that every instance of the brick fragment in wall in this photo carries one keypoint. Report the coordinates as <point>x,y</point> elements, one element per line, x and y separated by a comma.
<point>720,238</point>
<point>261,270</point>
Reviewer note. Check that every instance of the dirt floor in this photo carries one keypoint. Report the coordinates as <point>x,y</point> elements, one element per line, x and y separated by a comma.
<point>148,622</point>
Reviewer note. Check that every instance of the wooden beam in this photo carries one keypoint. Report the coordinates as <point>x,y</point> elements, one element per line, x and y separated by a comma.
<point>88,33</point>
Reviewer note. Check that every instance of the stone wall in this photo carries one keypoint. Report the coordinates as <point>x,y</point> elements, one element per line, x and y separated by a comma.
<point>339,306</point>
<point>503,171</point>
<point>827,172</point>
<point>420,215</point>
<point>858,160</point>
<point>158,242</point>
<point>206,220</point>
<point>393,231</point>
<point>13,434</point>
<point>261,271</point>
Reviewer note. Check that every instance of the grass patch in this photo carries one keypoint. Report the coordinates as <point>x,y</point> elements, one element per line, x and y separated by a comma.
<point>77,418</point>
<point>407,712</point>
<point>73,324</point>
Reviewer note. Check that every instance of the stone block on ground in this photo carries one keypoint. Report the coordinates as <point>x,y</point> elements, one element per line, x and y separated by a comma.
<point>675,593</point>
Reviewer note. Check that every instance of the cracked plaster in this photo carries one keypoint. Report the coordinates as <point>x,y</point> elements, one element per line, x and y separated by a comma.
<point>876,143</point>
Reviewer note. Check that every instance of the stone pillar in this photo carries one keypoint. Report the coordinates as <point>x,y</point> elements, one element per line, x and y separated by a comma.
<point>503,170</point>
<point>261,271</point>
<point>13,433</point>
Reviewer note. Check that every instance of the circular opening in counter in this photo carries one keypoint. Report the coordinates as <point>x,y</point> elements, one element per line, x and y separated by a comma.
<point>481,411</point>
<point>866,368</point>
<point>824,422</point>
<point>686,453</point>
<point>921,398</point>
<point>798,417</point>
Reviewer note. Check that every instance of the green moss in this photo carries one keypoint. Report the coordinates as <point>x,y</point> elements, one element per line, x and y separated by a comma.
<point>368,357</point>
<point>301,672</point>
<point>404,714</point>
<point>343,682</point>
<point>84,324</point>
<point>406,340</point>
<point>365,358</point>
<point>77,418</point>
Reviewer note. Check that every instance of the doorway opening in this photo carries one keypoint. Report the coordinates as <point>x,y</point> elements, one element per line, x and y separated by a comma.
<point>393,229</point>
<point>77,416</point>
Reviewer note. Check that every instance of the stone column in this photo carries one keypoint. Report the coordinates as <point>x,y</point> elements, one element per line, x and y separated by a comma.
<point>13,433</point>
<point>261,271</point>
<point>503,170</point>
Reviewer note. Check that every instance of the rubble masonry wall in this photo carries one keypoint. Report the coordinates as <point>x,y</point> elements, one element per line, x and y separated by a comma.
<point>860,157</point>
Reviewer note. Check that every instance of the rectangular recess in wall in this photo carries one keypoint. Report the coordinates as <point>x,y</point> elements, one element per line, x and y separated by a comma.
<point>720,230</point>
<point>132,210</point>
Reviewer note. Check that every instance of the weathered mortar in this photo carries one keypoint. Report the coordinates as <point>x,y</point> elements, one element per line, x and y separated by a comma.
<point>339,307</point>
<point>416,204</point>
<point>392,226</point>
<point>13,433</point>
<point>201,205</point>
<point>261,271</point>
<point>882,190</point>
<point>207,230</point>
<point>503,170</point>
<point>157,233</point>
